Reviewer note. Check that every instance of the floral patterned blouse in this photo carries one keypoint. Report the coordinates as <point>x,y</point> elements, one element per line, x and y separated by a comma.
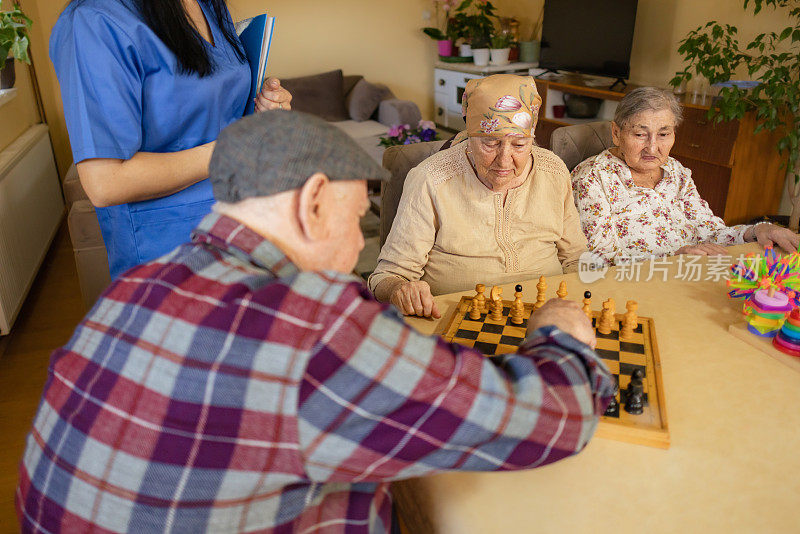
<point>622,220</point>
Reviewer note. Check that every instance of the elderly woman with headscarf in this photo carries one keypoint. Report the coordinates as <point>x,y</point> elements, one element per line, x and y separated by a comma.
<point>491,209</point>
<point>635,201</point>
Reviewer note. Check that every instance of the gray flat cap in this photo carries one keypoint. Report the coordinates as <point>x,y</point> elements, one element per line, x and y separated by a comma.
<point>267,153</point>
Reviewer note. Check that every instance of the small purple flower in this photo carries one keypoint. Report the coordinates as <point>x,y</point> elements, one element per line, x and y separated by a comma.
<point>397,130</point>
<point>427,134</point>
<point>411,139</point>
<point>508,103</point>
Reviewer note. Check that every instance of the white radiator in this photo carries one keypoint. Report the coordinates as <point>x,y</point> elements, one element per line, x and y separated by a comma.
<point>31,208</point>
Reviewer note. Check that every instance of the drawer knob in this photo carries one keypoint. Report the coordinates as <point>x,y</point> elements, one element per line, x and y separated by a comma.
<point>441,82</point>
<point>702,123</point>
<point>694,145</point>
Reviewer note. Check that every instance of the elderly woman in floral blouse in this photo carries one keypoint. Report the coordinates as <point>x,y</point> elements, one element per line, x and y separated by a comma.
<point>491,209</point>
<point>636,201</point>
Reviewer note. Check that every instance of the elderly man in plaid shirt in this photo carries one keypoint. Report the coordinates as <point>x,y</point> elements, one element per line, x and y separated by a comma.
<point>247,382</point>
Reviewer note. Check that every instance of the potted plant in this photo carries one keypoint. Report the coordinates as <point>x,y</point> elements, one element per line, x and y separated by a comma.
<point>529,49</point>
<point>460,25</point>
<point>14,26</point>
<point>444,38</point>
<point>772,61</point>
<point>479,27</point>
<point>501,44</point>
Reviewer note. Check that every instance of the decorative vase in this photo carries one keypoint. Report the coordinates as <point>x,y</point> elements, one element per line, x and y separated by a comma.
<point>445,48</point>
<point>499,56</point>
<point>480,56</point>
<point>465,50</point>
<point>7,74</point>
<point>513,54</point>
<point>529,51</point>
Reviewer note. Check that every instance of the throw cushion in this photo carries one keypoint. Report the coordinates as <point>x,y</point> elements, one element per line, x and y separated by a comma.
<point>320,94</point>
<point>365,98</point>
<point>350,81</point>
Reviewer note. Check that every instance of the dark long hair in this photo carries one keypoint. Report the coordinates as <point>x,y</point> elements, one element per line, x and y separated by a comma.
<point>171,24</point>
<point>169,21</point>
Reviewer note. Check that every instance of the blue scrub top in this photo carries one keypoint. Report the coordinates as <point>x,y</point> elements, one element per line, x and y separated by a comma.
<point>123,94</point>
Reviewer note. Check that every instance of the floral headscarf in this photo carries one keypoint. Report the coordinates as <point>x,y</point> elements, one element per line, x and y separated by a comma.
<point>500,105</point>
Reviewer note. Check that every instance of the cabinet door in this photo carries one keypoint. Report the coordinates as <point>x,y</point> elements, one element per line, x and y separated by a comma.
<point>712,182</point>
<point>439,106</point>
<point>699,138</point>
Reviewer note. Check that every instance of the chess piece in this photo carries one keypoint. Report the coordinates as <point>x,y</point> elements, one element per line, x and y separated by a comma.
<point>497,303</point>
<point>629,321</point>
<point>480,288</point>
<point>606,319</point>
<point>541,287</point>
<point>634,398</point>
<point>613,407</point>
<point>562,290</point>
<point>587,304</point>
<point>475,309</point>
<point>613,307</point>
<point>518,309</point>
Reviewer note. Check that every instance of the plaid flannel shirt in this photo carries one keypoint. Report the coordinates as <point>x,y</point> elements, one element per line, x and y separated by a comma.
<point>220,389</point>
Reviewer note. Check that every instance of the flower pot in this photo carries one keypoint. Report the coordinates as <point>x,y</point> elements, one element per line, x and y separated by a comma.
<point>529,51</point>
<point>7,74</point>
<point>445,48</point>
<point>499,56</point>
<point>480,56</point>
<point>465,50</point>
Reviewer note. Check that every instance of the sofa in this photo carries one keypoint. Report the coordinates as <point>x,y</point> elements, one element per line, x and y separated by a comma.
<point>362,109</point>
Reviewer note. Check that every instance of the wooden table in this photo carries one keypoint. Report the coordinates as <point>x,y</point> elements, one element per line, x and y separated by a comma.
<point>734,416</point>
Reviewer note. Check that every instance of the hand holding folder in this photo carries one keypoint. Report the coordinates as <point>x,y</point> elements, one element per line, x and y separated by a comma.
<point>256,35</point>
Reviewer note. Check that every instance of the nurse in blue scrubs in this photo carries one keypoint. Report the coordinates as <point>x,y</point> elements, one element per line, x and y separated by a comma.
<point>147,86</point>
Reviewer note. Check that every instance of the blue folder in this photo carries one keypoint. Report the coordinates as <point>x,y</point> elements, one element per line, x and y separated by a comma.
<point>256,35</point>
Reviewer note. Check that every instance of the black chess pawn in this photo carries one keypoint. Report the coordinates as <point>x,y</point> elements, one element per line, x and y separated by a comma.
<point>613,407</point>
<point>634,401</point>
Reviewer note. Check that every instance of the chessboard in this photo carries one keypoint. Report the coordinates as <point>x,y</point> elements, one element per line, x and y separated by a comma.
<point>639,352</point>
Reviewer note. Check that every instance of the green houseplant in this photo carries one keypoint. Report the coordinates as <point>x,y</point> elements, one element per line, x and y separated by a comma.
<point>772,60</point>
<point>479,21</point>
<point>14,27</point>
<point>501,43</point>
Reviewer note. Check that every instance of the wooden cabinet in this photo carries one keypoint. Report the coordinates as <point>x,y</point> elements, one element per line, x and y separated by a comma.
<point>737,171</point>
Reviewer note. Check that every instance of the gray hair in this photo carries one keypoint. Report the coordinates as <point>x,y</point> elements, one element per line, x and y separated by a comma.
<point>647,99</point>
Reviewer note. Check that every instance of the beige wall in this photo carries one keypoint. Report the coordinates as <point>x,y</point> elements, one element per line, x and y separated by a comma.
<point>381,39</point>
<point>19,114</point>
<point>660,25</point>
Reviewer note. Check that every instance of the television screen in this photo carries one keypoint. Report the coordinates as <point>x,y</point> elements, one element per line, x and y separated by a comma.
<point>588,36</point>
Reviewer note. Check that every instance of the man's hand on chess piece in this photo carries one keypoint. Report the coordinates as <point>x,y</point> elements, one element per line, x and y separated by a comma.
<point>566,316</point>
<point>415,298</point>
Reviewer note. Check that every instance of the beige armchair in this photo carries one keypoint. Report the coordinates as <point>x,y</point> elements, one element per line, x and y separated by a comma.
<point>575,143</point>
<point>399,160</point>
